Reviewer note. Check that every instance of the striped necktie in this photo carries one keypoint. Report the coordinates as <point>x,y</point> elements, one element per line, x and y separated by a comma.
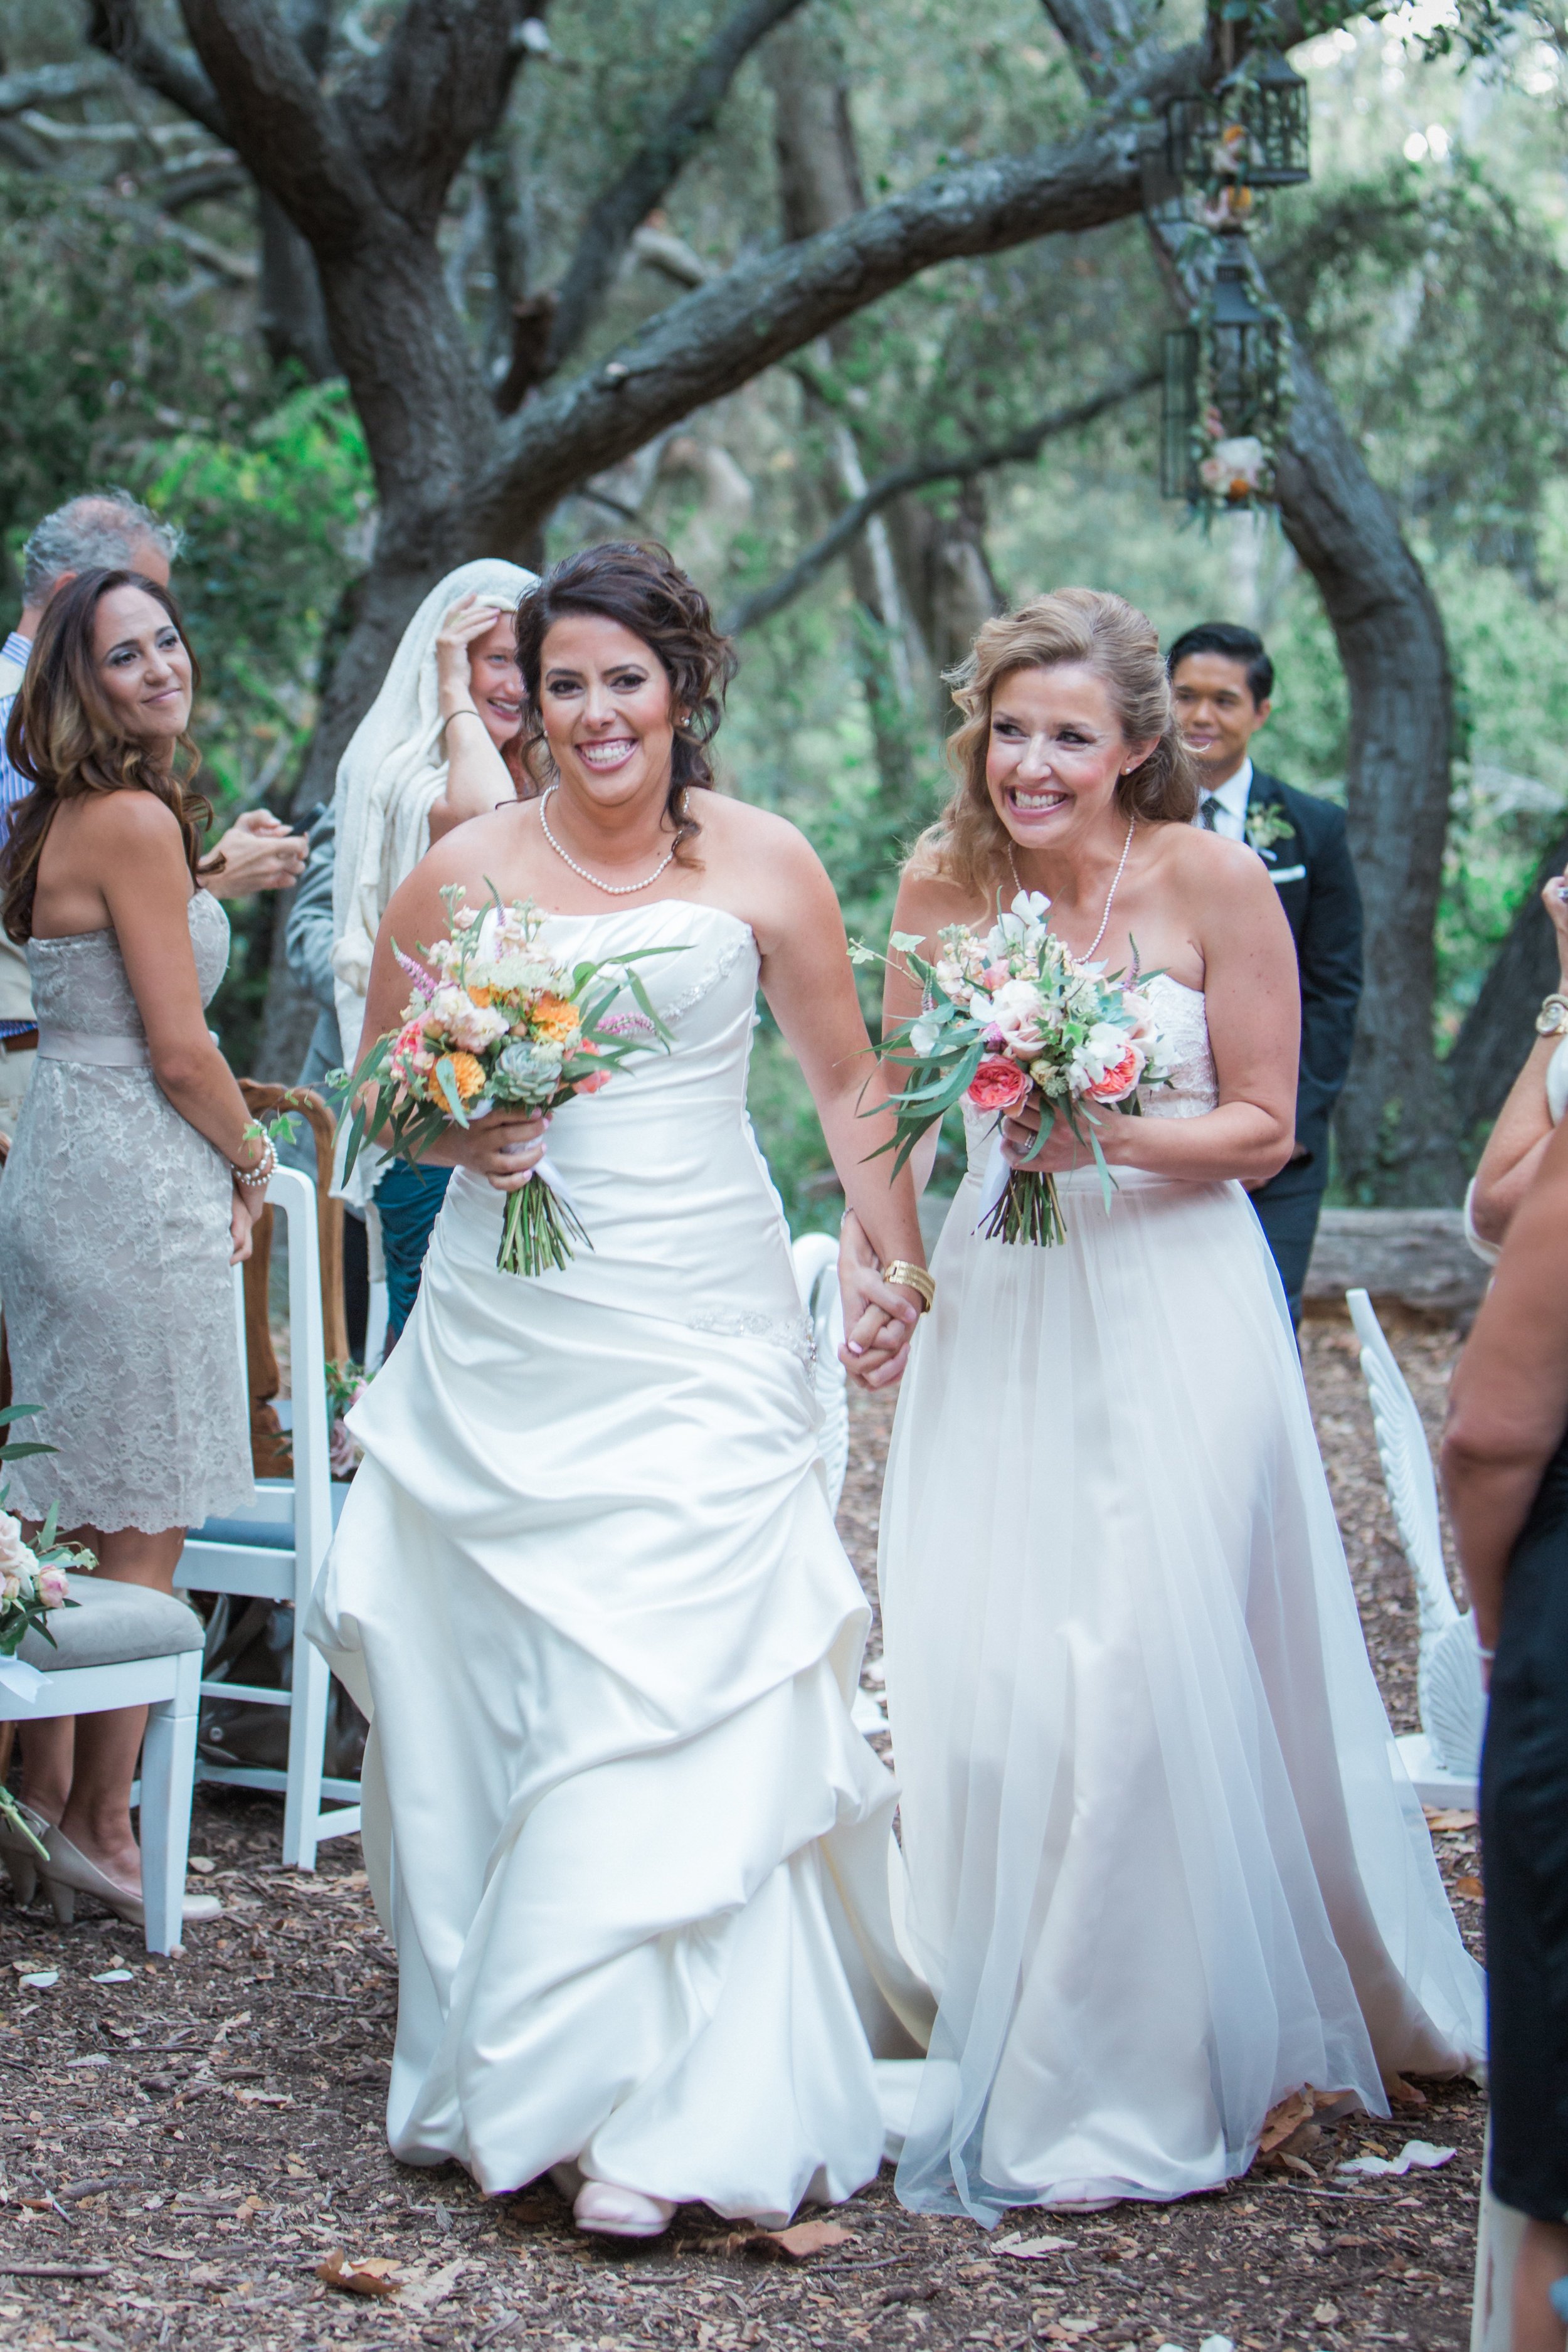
<point>1208,811</point>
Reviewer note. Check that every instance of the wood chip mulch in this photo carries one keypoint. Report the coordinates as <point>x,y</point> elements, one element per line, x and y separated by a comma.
<point>186,2145</point>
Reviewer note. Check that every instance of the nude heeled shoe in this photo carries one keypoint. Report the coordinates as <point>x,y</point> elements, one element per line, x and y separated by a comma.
<point>22,1860</point>
<point>68,1873</point>
<point>611,2212</point>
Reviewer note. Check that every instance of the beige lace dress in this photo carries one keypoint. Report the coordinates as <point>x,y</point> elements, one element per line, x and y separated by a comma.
<point>114,1249</point>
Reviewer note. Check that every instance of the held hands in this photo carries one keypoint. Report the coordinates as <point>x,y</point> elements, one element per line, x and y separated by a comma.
<point>258,852</point>
<point>879,1318</point>
<point>246,1204</point>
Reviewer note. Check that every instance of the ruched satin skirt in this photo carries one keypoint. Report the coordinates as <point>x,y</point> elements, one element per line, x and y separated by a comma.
<point>1163,1865</point>
<point>633,1854</point>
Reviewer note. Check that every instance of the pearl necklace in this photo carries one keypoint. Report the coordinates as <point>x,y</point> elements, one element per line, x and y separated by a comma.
<point>1105,913</point>
<point>613,889</point>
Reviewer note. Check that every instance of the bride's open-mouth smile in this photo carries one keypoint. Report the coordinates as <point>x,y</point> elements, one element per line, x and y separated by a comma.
<point>607,754</point>
<point>1035,799</point>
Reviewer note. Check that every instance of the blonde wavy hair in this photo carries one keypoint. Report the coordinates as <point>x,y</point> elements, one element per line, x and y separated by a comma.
<point>968,844</point>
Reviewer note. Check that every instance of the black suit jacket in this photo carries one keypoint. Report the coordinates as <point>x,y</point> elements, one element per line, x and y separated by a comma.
<point>1313,872</point>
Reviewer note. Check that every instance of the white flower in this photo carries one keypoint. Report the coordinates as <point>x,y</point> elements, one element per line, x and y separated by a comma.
<point>1108,1048</point>
<point>1017,1009</point>
<point>15,1556</point>
<point>1032,906</point>
<point>454,1014</point>
<point>925,1035</point>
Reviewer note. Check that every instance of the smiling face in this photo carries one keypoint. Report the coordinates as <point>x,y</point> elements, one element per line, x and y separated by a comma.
<point>144,669</point>
<point>1054,752</point>
<point>1216,712</point>
<point>496,681</point>
<point>604,701</point>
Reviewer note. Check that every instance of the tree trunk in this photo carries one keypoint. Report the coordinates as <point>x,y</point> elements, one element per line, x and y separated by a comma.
<point>290,314</point>
<point>1498,1032</point>
<point>1395,1127</point>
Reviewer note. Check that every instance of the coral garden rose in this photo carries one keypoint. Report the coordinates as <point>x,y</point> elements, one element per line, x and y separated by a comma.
<point>999,1084</point>
<point>1109,1063</point>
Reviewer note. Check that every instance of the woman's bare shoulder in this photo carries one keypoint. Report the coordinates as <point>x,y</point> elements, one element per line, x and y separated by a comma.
<point>1227,875</point>
<point>929,901</point>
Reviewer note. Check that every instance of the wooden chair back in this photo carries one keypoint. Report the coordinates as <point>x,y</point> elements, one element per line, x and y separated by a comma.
<point>272,1454</point>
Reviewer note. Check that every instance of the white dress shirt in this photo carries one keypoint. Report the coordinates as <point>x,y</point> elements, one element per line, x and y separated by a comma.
<point>1230,817</point>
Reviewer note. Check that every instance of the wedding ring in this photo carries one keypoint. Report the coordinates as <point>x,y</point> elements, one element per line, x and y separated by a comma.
<point>911,1277</point>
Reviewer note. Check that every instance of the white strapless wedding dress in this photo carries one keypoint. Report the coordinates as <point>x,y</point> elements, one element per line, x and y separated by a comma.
<point>1163,1866</point>
<point>630,1847</point>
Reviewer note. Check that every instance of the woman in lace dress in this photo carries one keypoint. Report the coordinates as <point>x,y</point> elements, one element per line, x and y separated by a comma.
<point>134,1179</point>
<point>618,1819</point>
<point>1162,1867</point>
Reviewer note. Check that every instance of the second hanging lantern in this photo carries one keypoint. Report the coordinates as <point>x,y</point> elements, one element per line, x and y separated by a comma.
<point>1223,405</point>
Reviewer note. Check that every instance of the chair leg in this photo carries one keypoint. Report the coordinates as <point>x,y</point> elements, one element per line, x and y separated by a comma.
<point>168,1780</point>
<point>307,1750</point>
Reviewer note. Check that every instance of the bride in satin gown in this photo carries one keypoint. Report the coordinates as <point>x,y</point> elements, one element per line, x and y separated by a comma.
<point>631,1850</point>
<point>1163,1866</point>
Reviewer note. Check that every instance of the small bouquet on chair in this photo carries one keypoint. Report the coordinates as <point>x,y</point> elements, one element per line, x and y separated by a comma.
<point>496,1021</point>
<point>33,1585</point>
<point>1010,1014</point>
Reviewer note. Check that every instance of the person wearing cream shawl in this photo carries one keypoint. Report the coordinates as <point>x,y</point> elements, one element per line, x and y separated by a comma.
<point>437,745</point>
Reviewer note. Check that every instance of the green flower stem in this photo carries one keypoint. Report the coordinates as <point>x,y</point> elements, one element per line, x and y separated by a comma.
<point>538,1231</point>
<point>1028,1211</point>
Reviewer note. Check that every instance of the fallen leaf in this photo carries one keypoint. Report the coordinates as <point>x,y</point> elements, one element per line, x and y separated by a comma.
<point>798,2243</point>
<point>422,2293</point>
<point>1284,2120</point>
<point>114,1976</point>
<point>1029,2249</point>
<point>372,2277</point>
<point>1325,2314</point>
<point>40,1979</point>
<point>1402,2093</point>
<point>199,1863</point>
<point>1449,1818</point>
<point>249,2098</point>
<point>1470,1886</point>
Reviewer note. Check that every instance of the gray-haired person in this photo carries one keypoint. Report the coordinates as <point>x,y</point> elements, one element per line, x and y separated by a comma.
<point>105,528</point>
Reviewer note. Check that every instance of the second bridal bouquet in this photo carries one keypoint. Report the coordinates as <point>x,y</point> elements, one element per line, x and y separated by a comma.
<point>495,1020</point>
<point>1010,1013</point>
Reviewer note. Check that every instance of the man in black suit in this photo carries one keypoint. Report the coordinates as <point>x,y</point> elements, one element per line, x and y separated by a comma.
<point>1220,679</point>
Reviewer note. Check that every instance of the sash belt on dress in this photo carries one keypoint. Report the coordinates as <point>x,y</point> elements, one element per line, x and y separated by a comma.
<point>90,1045</point>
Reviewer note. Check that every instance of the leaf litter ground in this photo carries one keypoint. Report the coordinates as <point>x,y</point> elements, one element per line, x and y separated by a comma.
<point>187,2146</point>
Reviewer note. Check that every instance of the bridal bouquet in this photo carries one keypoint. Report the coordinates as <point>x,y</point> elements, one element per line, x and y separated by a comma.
<point>1006,1015</point>
<point>33,1584</point>
<point>495,1021</point>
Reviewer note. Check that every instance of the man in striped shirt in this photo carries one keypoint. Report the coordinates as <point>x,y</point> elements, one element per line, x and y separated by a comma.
<point>103,530</point>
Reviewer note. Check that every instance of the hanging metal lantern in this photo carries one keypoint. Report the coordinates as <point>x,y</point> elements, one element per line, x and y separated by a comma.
<point>1265,102</point>
<point>1253,131</point>
<point>1222,407</point>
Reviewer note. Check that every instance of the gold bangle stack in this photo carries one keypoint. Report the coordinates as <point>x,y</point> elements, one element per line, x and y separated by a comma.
<point>913,1277</point>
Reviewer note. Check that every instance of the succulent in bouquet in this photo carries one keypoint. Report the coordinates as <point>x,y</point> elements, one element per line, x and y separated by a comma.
<point>1008,1016</point>
<point>495,1021</point>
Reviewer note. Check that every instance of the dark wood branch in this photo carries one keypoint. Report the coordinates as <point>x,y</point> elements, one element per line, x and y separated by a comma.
<point>678,130</point>
<point>439,84</point>
<point>765,308</point>
<point>532,320</point>
<point>960,467</point>
<point>55,84</point>
<point>116,27</point>
<point>292,137</point>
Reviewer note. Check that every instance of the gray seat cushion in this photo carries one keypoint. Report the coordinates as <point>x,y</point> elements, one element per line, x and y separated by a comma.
<point>114,1622</point>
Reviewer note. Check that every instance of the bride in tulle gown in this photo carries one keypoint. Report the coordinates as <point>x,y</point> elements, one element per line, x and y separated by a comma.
<point>1163,1864</point>
<point>631,1849</point>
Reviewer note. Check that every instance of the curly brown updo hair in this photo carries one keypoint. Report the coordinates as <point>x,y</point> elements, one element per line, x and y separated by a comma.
<point>642,587</point>
<point>66,739</point>
<point>969,843</point>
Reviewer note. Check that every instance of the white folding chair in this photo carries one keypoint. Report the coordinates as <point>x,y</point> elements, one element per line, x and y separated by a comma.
<point>124,1645</point>
<point>1444,1757</point>
<point>272,1548</point>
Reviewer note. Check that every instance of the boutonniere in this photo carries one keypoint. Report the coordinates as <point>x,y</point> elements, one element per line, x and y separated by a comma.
<point>1267,823</point>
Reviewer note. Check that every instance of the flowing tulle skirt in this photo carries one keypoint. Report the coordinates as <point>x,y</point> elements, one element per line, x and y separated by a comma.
<point>1163,1864</point>
<point>631,1849</point>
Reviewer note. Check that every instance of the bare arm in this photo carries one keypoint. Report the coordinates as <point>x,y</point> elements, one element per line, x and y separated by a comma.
<point>477,775</point>
<point>1509,1401</point>
<point>133,844</point>
<point>1517,1144</point>
<point>809,983</point>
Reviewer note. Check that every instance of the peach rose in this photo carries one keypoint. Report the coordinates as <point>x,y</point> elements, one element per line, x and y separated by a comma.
<point>999,1084</point>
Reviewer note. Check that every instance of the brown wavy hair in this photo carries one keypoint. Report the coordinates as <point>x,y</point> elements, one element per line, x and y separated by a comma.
<point>64,737</point>
<point>642,587</point>
<point>968,843</point>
